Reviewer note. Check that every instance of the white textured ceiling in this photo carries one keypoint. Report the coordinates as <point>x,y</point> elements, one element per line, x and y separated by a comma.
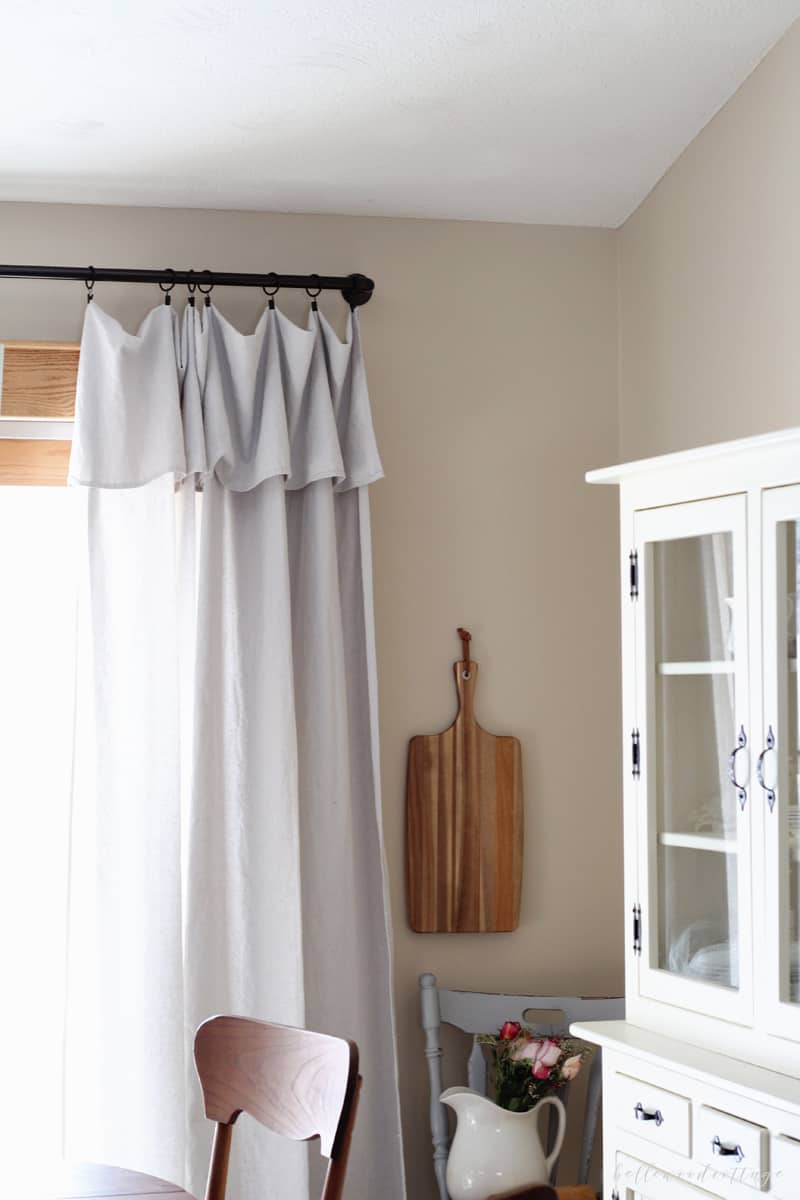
<point>551,111</point>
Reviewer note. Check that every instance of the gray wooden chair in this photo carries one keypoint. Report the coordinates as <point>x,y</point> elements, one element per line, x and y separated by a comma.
<point>481,1012</point>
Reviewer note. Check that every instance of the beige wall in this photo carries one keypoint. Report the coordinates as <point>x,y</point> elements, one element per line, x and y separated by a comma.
<point>492,358</point>
<point>710,277</point>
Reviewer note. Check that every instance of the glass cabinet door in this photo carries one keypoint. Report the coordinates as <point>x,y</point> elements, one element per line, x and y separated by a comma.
<point>778,761</point>
<point>694,756</point>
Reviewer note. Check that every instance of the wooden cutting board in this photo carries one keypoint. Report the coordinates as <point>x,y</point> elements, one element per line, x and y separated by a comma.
<point>464,823</point>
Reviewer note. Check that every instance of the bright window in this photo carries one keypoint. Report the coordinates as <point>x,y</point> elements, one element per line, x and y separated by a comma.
<point>38,620</point>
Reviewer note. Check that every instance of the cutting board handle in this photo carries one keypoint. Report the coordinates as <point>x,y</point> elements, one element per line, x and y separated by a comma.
<point>465,686</point>
<point>466,638</point>
<point>466,673</point>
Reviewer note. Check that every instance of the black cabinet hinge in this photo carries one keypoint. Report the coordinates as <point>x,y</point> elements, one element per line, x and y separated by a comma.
<point>637,929</point>
<point>636,754</point>
<point>634,572</point>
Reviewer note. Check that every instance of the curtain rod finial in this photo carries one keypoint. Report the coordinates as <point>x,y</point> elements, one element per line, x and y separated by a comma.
<point>359,290</point>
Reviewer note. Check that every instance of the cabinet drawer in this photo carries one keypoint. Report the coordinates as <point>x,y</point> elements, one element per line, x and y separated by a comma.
<point>635,1180</point>
<point>731,1146</point>
<point>650,1112</point>
<point>784,1168</point>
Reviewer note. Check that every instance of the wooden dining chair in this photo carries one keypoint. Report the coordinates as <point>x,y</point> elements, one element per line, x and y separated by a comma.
<point>299,1084</point>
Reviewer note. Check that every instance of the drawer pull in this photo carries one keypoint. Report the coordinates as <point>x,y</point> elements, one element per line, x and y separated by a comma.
<point>642,1114</point>
<point>720,1148</point>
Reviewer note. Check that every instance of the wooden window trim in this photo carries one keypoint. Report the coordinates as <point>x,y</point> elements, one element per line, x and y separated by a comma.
<point>33,462</point>
<point>37,384</point>
<point>38,379</point>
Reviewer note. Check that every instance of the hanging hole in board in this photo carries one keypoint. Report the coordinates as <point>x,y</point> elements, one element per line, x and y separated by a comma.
<point>88,283</point>
<point>166,288</point>
<point>466,674</point>
<point>313,291</point>
<point>272,288</point>
<point>206,291</point>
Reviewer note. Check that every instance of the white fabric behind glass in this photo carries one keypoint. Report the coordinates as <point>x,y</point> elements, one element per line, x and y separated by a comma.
<point>717,562</point>
<point>233,837</point>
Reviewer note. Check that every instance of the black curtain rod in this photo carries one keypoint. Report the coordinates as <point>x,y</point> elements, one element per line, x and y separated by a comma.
<point>356,289</point>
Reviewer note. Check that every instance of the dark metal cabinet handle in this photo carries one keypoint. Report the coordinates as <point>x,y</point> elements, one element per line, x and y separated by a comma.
<point>741,742</point>
<point>720,1148</point>
<point>770,745</point>
<point>642,1114</point>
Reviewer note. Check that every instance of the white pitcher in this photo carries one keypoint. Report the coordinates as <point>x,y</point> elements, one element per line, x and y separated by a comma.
<point>495,1150</point>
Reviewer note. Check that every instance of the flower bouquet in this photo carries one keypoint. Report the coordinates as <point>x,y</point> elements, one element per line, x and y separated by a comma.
<point>525,1066</point>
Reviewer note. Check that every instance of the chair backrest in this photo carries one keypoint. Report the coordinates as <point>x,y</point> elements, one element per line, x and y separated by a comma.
<point>297,1083</point>
<point>482,1012</point>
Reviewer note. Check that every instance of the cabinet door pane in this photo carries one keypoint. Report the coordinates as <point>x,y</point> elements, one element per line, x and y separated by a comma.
<point>691,668</point>
<point>693,607</point>
<point>699,937</point>
<point>779,762</point>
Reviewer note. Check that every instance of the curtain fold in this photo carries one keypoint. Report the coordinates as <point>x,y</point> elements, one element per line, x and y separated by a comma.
<point>227,851</point>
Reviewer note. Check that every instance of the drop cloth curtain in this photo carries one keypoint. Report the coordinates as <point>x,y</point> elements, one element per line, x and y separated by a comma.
<point>227,852</point>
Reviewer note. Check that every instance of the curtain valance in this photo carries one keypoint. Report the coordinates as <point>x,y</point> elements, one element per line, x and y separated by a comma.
<point>194,396</point>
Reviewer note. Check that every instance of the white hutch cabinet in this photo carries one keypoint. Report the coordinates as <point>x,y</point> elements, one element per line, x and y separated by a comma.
<point>702,1079</point>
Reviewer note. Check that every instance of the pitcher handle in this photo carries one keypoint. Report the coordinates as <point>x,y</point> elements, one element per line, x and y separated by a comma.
<point>562,1129</point>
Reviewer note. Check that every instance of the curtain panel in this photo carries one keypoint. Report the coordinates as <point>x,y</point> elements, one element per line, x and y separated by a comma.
<point>227,845</point>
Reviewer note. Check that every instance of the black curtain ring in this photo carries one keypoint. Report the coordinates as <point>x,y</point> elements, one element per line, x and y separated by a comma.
<point>191,288</point>
<point>206,291</point>
<point>276,287</point>
<point>166,288</point>
<point>314,280</point>
<point>88,283</point>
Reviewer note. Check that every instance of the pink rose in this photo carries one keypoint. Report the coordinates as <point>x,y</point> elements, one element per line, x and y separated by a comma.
<point>509,1030</point>
<point>525,1050</point>
<point>542,1054</point>
<point>548,1056</point>
<point>571,1067</point>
